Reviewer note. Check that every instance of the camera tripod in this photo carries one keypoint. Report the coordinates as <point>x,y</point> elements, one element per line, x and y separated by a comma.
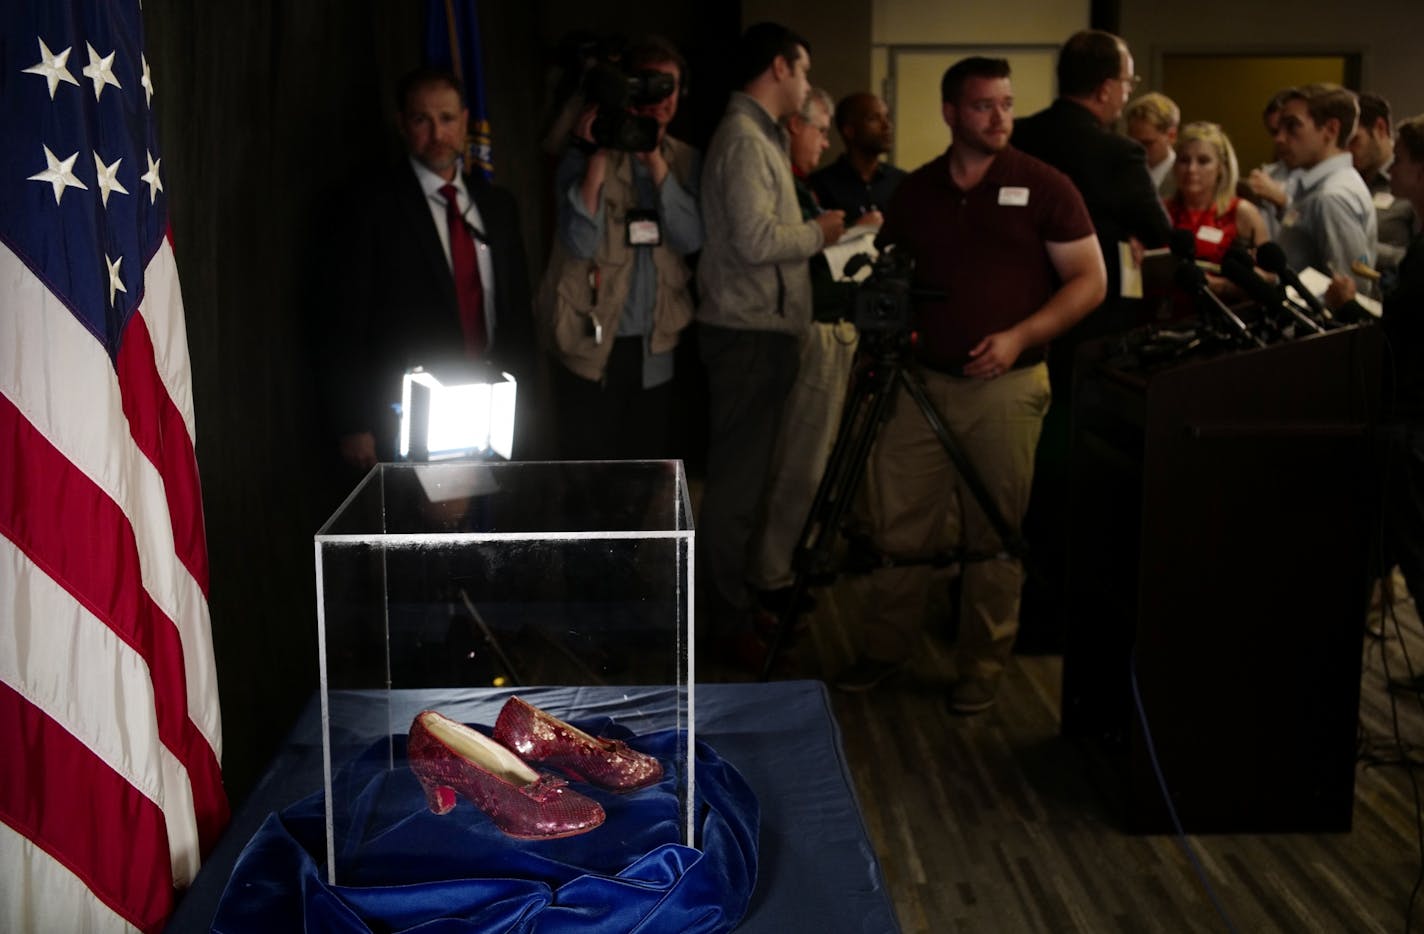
<point>882,370</point>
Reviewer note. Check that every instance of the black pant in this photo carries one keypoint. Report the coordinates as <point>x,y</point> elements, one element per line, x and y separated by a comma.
<point>1403,506</point>
<point>616,419</point>
<point>749,375</point>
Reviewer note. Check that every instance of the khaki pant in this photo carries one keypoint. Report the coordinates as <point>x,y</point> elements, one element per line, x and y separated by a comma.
<point>919,506</point>
<point>808,432</point>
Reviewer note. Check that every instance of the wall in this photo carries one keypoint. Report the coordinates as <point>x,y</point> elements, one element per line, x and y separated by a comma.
<point>839,32</point>
<point>913,43</point>
<point>1387,38</point>
<point>1231,90</point>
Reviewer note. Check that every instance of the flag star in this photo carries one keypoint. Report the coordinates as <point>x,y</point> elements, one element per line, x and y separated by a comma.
<point>52,68</point>
<point>151,179</point>
<point>115,283</point>
<point>59,173</point>
<point>108,178</point>
<point>146,80</point>
<point>100,71</point>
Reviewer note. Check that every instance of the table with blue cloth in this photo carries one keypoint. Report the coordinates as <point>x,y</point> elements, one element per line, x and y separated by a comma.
<point>781,823</point>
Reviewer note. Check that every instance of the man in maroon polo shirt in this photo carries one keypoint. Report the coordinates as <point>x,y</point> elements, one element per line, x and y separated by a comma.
<point>1007,240</point>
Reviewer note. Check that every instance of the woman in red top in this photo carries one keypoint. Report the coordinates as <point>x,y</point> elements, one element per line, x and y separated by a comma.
<point>1206,201</point>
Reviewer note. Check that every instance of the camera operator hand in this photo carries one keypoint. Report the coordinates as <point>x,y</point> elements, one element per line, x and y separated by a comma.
<point>597,167</point>
<point>832,225</point>
<point>655,163</point>
<point>994,355</point>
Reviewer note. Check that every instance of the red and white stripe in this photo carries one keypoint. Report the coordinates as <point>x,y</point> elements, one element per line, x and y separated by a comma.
<point>108,692</point>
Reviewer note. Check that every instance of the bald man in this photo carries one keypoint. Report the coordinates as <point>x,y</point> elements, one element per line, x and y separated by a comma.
<point>859,182</point>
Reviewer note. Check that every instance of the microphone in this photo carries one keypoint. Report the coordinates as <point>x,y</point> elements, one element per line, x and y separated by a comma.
<point>1183,244</point>
<point>1238,267</point>
<point>1190,277</point>
<point>1272,258</point>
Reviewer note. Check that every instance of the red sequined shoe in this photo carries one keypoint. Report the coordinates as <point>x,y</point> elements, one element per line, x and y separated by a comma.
<point>449,757</point>
<point>539,737</point>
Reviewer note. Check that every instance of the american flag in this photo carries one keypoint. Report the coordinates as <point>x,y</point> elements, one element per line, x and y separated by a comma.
<point>110,734</point>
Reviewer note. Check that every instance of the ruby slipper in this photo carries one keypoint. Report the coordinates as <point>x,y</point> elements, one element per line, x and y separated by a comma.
<point>539,737</point>
<point>449,757</point>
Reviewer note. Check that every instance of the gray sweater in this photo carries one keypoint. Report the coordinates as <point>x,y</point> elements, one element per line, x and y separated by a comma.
<point>753,273</point>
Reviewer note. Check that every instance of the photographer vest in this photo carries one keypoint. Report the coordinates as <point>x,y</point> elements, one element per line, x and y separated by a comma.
<point>569,304</point>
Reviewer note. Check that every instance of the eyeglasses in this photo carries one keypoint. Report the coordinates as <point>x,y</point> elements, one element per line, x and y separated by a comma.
<point>1132,81</point>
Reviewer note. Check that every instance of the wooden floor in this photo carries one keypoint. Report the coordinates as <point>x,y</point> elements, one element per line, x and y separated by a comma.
<point>996,823</point>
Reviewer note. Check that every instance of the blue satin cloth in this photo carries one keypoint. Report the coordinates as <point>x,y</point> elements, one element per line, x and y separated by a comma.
<point>403,868</point>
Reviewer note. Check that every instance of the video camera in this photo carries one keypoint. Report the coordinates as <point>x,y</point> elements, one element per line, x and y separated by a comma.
<point>883,300</point>
<point>615,91</point>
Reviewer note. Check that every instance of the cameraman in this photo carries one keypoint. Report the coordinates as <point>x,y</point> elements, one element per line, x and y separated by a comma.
<point>615,296</point>
<point>1008,242</point>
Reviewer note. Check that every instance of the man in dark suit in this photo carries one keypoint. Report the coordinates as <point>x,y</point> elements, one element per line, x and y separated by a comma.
<point>1095,81</point>
<point>435,273</point>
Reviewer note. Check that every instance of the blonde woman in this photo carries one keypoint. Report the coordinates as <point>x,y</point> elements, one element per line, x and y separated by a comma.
<point>1206,201</point>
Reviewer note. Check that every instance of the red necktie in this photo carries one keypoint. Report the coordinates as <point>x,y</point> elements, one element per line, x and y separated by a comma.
<point>466,268</point>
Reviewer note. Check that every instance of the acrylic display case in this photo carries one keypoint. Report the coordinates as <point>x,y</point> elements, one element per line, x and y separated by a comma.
<point>455,586</point>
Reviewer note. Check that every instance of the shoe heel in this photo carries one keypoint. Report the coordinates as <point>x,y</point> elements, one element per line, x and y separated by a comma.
<point>439,798</point>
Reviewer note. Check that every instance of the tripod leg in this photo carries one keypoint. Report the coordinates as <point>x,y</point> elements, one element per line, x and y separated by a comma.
<point>866,409</point>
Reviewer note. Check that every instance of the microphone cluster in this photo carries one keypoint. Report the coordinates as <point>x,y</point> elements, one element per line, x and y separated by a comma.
<point>1278,314</point>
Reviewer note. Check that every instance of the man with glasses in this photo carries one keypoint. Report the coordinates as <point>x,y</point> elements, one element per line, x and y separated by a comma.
<point>1074,135</point>
<point>812,413</point>
<point>1095,82</point>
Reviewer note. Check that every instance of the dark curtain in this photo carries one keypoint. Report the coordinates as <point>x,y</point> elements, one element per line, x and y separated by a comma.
<point>272,115</point>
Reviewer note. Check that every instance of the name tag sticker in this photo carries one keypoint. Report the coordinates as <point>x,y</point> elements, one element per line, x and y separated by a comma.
<point>1384,200</point>
<point>644,228</point>
<point>1013,197</point>
<point>1209,234</point>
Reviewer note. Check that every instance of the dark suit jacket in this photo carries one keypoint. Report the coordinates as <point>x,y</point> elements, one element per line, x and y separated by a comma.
<point>397,306</point>
<point>1110,172</point>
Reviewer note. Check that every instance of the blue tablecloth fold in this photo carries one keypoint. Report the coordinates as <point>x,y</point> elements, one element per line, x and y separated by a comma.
<point>402,868</point>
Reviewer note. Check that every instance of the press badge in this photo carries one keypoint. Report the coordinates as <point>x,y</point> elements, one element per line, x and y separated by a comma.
<point>1013,197</point>
<point>644,228</point>
<point>1210,234</point>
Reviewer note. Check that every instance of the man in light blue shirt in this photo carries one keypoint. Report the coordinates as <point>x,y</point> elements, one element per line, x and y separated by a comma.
<point>1330,223</point>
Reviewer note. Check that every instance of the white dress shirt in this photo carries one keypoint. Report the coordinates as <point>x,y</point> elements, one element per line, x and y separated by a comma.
<point>431,184</point>
<point>1162,178</point>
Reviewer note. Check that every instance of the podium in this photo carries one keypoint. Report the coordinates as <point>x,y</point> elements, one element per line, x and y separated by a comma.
<point>1221,512</point>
